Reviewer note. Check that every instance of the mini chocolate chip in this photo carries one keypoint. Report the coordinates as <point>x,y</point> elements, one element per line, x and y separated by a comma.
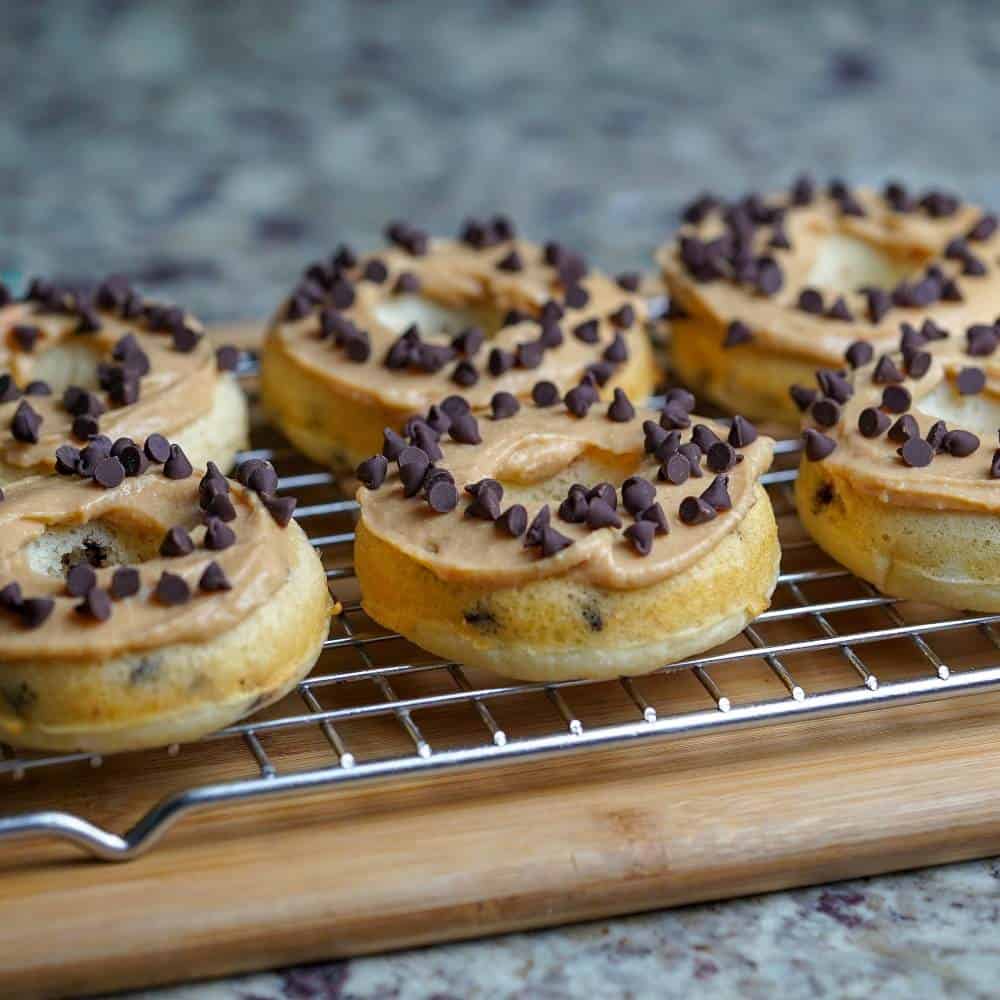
<point>442,496</point>
<point>623,317</point>
<point>184,339</point>
<point>971,381</point>
<point>124,583</point>
<point>654,436</point>
<point>802,396</point>
<point>176,542</point>
<point>34,611</point>
<point>605,492</point>
<point>218,535</point>
<point>859,353</point>
<point>676,469</point>
<point>220,506</point>
<point>834,385</point>
<point>803,190</point>
<point>917,364</point>
<point>637,494</point>
<point>839,311</point>
<point>817,446</point>
<point>916,453</point>
<point>545,394</point>
<point>601,515</point>
<point>720,457</point>
<point>503,405</point>
<point>372,471</point>
<point>67,460</point>
<point>177,465</point>
<point>886,371</point>
<point>694,455</point>
<point>514,520</point>
<point>621,409</point>
<point>261,478</point>
<point>25,424</point>
<point>879,303</point>
<point>628,280</point>
<point>741,432</point>
<point>737,333</point>
<point>617,351</point>
<point>214,579</point>
<point>109,472</point>
<point>172,590</point>
<point>950,292</point>
<point>576,297</point>
<point>10,596</point>
<point>872,423</point>
<point>983,229</point>
<point>936,435</point>
<point>38,388</point>
<point>574,508</point>
<point>412,475</point>
<point>896,399</point>
<point>694,510</point>
<point>392,444</point>
<point>25,336</point>
<point>465,374</point>
<point>600,371</point>
<point>80,579</point>
<point>510,262</point>
<point>681,398</point>
<point>961,443</point>
<point>406,284</point>
<point>533,535</point>
<point>374,271</point>
<point>673,417</point>
<point>8,388</point>
<point>95,604</point>
<point>157,448</point>
<point>811,301</point>
<point>588,331</point>
<point>903,429</point>
<point>717,493</point>
<point>580,399</point>
<point>654,515</point>
<point>281,509</point>
<point>465,429</point>
<point>641,535</point>
<point>551,336</point>
<point>826,412</point>
<point>552,542</point>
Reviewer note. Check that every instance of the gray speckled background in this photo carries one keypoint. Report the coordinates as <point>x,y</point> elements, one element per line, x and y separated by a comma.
<point>211,149</point>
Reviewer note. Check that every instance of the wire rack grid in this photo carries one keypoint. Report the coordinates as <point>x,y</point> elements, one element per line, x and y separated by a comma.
<point>378,708</point>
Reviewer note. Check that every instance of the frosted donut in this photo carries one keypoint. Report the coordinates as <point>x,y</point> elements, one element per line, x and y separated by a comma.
<point>73,365</point>
<point>900,476</point>
<point>545,543</point>
<point>142,606</point>
<point>365,343</point>
<point>766,290</point>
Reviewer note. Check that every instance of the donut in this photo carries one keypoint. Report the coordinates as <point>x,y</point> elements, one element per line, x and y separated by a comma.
<point>75,364</point>
<point>142,604</point>
<point>364,343</point>
<point>900,472</point>
<point>764,291</point>
<point>549,541</point>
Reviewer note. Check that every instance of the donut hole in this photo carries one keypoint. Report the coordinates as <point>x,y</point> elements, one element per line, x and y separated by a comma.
<point>70,363</point>
<point>845,263</point>
<point>436,320</point>
<point>548,481</point>
<point>979,413</point>
<point>100,543</point>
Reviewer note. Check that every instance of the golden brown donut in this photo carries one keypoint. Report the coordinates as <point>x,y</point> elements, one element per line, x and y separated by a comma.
<point>766,290</point>
<point>142,604</point>
<point>73,365</point>
<point>900,476</point>
<point>546,543</point>
<point>365,343</point>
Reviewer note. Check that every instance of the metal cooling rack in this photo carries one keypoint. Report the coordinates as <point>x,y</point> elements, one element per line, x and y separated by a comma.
<point>364,669</point>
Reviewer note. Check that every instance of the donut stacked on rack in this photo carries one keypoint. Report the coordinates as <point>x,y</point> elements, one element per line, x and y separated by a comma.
<point>366,342</point>
<point>143,604</point>
<point>567,537</point>
<point>900,476</point>
<point>74,365</point>
<point>765,290</point>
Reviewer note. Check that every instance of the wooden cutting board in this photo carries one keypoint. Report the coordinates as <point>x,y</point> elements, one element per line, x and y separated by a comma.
<point>369,868</point>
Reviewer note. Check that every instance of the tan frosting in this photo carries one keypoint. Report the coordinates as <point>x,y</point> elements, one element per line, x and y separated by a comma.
<point>948,483</point>
<point>778,325</point>
<point>257,564</point>
<point>177,391</point>
<point>523,452</point>
<point>455,275</point>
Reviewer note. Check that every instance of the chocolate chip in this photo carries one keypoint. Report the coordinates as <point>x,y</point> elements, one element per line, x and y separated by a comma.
<point>600,371</point>
<point>693,454</point>
<point>8,389</point>
<point>576,297</point>
<point>621,409</point>
<point>950,292</point>
<point>80,579</point>
<point>465,429</point>
<point>529,354</point>
<point>859,353</point>
<point>374,271</point>
<point>124,583</point>
<point>637,494</point>
<point>465,374</point>
<point>442,496</point>
<point>414,241</point>
<point>392,444</point>
<point>970,381</point>
<point>574,508</point>
<point>588,331</point>
<point>539,523</point>
<point>654,515</point>
<point>552,542</point>
<point>720,457</point>
<point>261,477</point>
<point>717,494</point>
<point>676,469</point>
<point>961,443</point>
<point>654,435</point>
<point>694,510</point>
<point>10,596</point>
<point>981,340</point>
<point>737,333</point>
<point>916,452</point>
<point>802,396</point>
<point>281,509</point>
<point>641,535</point>
<point>903,429</point>
<point>172,590</point>
<point>741,432</point>
<point>26,337</point>
<point>617,351</point>
<point>406,284</point>
<point>514,520</point>
<point>918,364</point>
<point>628,280</point>
<point>372,471</point>
<point>826,412</point>
<point>96,604</point>
<point>769,276</point>
<point>839,311</point>
<point>486,500</point>
<point>25,424</point>
<point>817,446</point>
<point>157,448</point>
<point>879,303</point>
<point>34,611</point>
<point>803,190</point>
<point>673,417</point>
<point>579,400</point>
<point>811,301</point>
<point>896,399</point>
<point>218,536</point>
<point>177,465</point>
<point>511,262</point>
<point>67,460</point>
<point>886,371</point>
<point>545,394</point>
<point>601,515</point>
<point>872,423</point>
<point>936,435</point>
<point>109,472</point>
<point>504,405</point>
<point>680,398</point>
<point>983,229</point>
<point>214,579</point>
<point>176,542</point>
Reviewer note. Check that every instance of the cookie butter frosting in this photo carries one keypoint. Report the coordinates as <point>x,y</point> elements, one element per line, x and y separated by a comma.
<point>920,428</point>
<point>808,272</point>
<point>535,455</point>
<point>141,511</point>
<point>160,379</point>
<point>519,310</point>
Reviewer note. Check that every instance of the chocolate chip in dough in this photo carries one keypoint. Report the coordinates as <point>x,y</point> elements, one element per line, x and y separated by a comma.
<point>879,303</point>
<point>514,520</point>
<point>544,394</point>
<point>80,579</point>
<point>637,494</point>
<point>641,536</point>
<point>742,433</point>
<point>213,579</point>
<point>601,515</point>
<point>25,336</point>
<point>588,332</point>
<point>177,465</point>
<point>218,535</point>
<point>717,494</point>
<point>541,521</point>
<point>552,542</point>
<point>442,496</point>
<point>67,460</point>
<point>811,301</point>
<point>176,542</point>
<point>621,409</point>
<point>124,582</point>
<point>172,590</point>
<point>511,262</point>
